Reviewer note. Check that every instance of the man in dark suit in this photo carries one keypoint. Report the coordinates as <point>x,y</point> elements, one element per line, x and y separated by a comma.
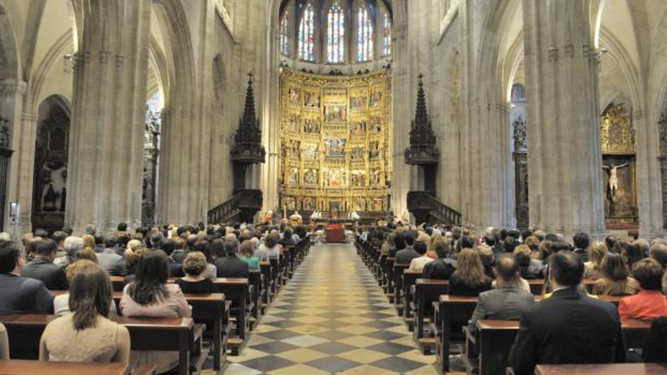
<point>442,267</point>
<point>406,255</point>
<point>507,301</point>
<point>569,327</point>
<point>109,259</point>
<point>230,265</point>
<point>20,295</point>
<point>581,242</point>
<point>42,267</point>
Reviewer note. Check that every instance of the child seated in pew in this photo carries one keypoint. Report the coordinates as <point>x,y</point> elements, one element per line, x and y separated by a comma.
<point>194,265</point>
<point>149,295</point>
<point>4,343</point>
<point>87,335</point>
<point>61,302</point>
<point>247,251</point>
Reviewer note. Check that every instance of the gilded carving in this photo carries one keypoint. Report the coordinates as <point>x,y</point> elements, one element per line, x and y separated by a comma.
<point>335,142</point>
<point>617,134</point>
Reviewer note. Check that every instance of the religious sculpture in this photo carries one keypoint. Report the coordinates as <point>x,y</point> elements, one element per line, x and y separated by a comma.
<point>612,182</point>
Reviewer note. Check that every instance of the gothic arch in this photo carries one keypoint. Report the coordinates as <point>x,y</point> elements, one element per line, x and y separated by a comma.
<point>10,62</point>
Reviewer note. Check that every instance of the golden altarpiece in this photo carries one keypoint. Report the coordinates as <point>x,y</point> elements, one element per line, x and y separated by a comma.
<point>335,142</point>
<point>617,138</point>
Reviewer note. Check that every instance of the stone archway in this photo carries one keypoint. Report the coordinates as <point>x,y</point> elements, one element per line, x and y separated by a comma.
<point>51,163</point>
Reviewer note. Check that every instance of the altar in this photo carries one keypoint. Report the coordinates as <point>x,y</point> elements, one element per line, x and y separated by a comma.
<point>334,233</point>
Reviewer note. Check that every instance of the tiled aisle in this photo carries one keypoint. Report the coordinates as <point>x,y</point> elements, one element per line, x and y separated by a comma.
<point>331,318</point>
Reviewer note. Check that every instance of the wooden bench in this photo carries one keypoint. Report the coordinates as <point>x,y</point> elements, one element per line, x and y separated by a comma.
<point>390,278</point>
<point>255,279</point>
<point>236,290</point>
<point>398,286</point>
<point>606,369</point>
<point>426,290</point>
<point>457,310</point>
<point>268,287</point>
<point>26,367</point>
<point>409,280</point>
<point>494,339</point>
<point>160,334</point>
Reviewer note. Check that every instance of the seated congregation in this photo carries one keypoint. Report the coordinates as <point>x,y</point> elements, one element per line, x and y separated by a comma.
<point>518,299</point>
<point>130,298</point>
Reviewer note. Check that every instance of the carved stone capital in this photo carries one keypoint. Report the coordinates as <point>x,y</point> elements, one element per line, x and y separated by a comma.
<point>120,59</point>
<point>12,86</point>
<point>569,50</point>
<point>553,54</point>
<point>104,57</point>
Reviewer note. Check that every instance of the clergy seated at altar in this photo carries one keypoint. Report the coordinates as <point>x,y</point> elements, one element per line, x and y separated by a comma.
<point>296,218</point>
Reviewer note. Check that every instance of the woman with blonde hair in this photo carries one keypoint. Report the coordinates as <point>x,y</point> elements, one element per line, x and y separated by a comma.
<point>593,268</point>
<point>469,278</point>
<point>88,241</point>
<point>435,237</point>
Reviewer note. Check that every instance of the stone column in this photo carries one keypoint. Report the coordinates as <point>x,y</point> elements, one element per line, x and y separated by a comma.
<point>649,177</point>
<point>22,127</point>
<point>563,130</point>
<point>106,142</point>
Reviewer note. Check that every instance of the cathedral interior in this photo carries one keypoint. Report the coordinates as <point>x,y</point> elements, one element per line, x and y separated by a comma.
<point>531,115</point>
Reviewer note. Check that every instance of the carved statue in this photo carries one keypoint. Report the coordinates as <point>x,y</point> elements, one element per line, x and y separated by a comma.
<point>613,178</point>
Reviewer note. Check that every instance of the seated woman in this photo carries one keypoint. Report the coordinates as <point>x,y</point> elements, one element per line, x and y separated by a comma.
<point>247,252</point>
<point>593,268</point>
<point>86,335</point>
<point>649,303</point>
<point>615,280</point>
<point>61,302</point>
<point>149,295</point>
<point>469,278</point>
<point>4,343</point>
<point>194,265</point>
<point>205,248</point>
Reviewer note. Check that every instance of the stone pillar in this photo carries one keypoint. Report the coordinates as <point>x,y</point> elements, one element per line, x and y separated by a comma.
<point>22,127</point>
<point>563,124</point>
<point>110,89</point>
<point>649,176</point>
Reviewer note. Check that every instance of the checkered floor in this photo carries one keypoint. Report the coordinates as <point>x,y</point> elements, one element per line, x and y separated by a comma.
<point>331,318</point>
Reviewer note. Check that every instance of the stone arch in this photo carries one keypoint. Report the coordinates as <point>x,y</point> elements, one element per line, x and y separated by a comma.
<point>10,62</point>
<point>49,193</point>
<point>184,185</point>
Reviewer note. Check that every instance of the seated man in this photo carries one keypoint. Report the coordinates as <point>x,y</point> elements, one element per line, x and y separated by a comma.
<point>508,301</point>
<point>20,295</point>
<point>406,255</point>
<point>42,267</point>
<point>569,327</point>
<point>109,259</point>
<point>417,264</point>
<point>442,267</point>
<point>230,265</point>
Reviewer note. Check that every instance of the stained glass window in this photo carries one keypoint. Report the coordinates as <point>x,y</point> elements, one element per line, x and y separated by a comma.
<point>284,35</point>
<point>364,35</point>
<point>386,34</point>
<point>335,34</point>
<point>307,35</point>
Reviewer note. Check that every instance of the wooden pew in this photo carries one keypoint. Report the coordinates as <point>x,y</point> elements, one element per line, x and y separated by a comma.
<point>236,291</point>
<point>390,279</point>
<point>267,294</point>
<point>161,334</point>
<point>457,310</point>
<point>426,290</point>
<point>26,367</point>
<point>409,280</point>
<point>494,340</point>
<point>606,369</point>
<point>255,279</point>
<point>206,309</point>
<point>398,286</point>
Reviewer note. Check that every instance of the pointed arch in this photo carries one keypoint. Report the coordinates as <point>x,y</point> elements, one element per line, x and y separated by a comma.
<point>336,33</point>
<point>306,38</point>
<point>364,32</point>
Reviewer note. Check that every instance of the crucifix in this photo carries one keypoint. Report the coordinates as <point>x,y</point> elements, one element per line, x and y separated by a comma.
<point>613,178</point>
